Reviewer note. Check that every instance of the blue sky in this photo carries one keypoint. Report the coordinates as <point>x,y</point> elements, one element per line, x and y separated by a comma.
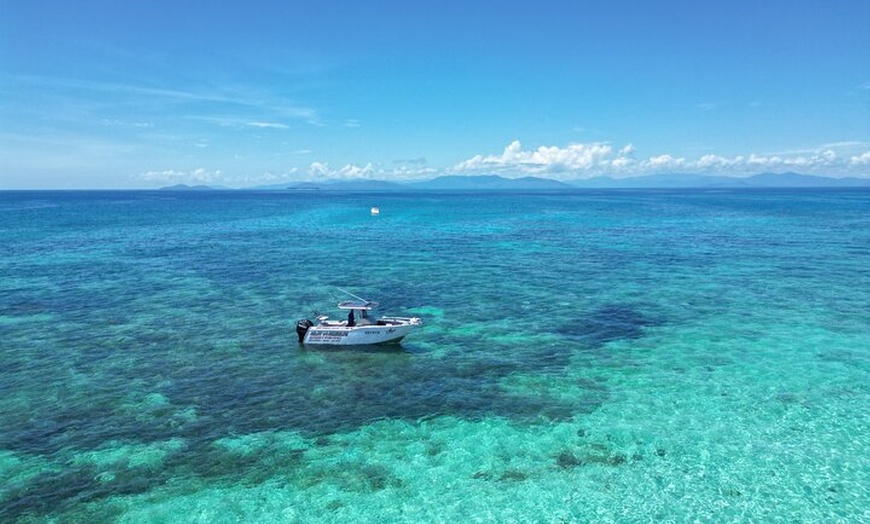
<point>107,94</point>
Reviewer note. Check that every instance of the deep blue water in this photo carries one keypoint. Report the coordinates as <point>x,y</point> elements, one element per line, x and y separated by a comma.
<point>612,356</point>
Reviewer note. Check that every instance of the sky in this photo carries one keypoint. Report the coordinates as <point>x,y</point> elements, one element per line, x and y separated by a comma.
<point>109,94</point>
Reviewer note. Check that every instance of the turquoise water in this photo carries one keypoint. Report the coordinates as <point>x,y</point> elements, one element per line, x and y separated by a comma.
<point>635,356</point>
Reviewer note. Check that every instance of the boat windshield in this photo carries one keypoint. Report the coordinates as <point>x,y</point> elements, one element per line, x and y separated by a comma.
<point>357,304</point>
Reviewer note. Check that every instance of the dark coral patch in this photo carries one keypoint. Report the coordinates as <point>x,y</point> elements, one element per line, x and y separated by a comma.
<point>567,460</point>
<point>609,323</point>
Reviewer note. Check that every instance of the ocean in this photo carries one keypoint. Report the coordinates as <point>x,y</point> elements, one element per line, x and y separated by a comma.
<point>589,356</point>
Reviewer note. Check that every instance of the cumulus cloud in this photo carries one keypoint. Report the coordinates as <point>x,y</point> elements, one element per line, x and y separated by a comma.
<point>199,176</point>
<point>623,163</point>
<point>571,162</point>
<point>401,170</point>
<point>586,160</point>
<point>716,162</point>
<point>664,162</point>
<point>321,170</point>
<point>861,160</point>
<point>543,160</point>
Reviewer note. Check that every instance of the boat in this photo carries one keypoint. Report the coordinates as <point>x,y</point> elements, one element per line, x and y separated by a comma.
<point>376,211</point>
<point>358,329</point>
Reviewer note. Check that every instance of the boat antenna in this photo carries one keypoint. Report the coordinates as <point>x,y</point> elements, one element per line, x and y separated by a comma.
<point>351,294</point>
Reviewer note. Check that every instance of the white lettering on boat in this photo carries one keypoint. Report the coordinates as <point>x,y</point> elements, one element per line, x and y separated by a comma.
<point>326,335</point>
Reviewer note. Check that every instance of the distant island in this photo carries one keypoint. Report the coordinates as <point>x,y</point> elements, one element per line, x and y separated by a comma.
<point>500,183</point>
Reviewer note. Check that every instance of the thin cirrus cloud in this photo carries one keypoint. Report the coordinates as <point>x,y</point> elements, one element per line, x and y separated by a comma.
<point>206,101</point>
<point>268,125</point>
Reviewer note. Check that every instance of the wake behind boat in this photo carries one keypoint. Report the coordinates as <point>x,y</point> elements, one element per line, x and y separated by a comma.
<point>358,329</point>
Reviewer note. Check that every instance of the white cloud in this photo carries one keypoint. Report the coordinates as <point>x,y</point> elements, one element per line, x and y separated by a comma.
<point>828,156</point>
<point>411,172</point>
<point>571,162</point>
<point>845,144</point>
<point>114,122</point>
<point>321,170</point>
<point>586,160</point>
<point>208,101</point>
<point>819,160</point>
<point>543,160</point>
<point>664,162</point>
<point>717,162</point>
<point>861,160</point>
<point>198,176</point>
<point>268,125</point>
<point>622,163</point>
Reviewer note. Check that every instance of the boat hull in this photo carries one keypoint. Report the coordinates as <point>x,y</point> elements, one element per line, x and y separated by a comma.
<point>362,335</point>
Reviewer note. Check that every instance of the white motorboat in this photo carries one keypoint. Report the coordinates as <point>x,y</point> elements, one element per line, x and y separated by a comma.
<point>376,211</point>
<point>358,329</point>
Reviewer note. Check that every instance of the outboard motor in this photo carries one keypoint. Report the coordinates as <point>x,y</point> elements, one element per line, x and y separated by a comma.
<point>302,328</point>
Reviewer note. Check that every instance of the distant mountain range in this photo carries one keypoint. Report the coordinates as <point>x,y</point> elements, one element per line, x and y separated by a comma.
<point>200,187</point>
<point>688,181</point>
<point>499,183</point>
<point>490,183</point>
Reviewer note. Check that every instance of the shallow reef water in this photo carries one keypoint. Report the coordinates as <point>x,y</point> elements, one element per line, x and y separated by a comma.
<point>588,356</point>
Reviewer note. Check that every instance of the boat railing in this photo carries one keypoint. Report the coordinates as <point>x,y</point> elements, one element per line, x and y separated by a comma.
<point>400,320</point>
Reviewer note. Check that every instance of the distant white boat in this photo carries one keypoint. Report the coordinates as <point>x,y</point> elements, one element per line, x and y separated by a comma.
<point>359,329</point>
<point>375,211</point>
